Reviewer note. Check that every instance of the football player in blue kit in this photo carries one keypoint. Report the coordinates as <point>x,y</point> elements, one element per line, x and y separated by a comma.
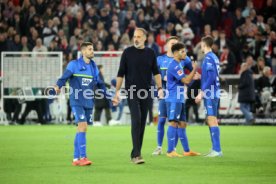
<point>210,93</point>
<point>83,75</point>
<point>175,101</point>
<point>163,62</point>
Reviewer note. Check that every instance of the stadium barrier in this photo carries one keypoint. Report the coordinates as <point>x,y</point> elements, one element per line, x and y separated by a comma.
<point>26,74</point>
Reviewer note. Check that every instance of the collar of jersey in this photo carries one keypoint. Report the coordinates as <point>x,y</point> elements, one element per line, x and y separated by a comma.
<point>82,64</point>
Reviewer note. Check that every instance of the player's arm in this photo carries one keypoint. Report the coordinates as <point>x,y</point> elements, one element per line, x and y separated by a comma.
<point>211,76</point>
<point>157,78</point>
<point>188,79</point>
<point>65,76</point>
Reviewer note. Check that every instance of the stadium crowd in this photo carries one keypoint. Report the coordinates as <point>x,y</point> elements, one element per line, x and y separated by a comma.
<point>239,27</point>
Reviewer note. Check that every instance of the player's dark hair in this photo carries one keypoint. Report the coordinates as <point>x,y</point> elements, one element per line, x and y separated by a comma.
<point>177,47</point>
<point>208,40</point>
<point>85,44</point>
<point>172,38</point>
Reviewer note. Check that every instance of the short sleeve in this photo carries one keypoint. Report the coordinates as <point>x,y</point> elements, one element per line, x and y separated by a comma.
<point>210,65</point>
<point>177,72</point>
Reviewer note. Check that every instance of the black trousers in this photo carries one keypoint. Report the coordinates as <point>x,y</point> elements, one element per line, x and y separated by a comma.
<point>98,114</point>
<point>36,105</point>
<point>138,112</point>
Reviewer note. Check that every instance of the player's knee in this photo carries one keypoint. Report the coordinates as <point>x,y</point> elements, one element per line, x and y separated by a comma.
<point>212,121</point>
<point>182,125</point>
<point>82,126</point>
<point>173,124</point>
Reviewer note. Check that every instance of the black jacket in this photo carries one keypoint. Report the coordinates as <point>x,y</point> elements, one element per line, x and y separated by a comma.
<point>246,87</point>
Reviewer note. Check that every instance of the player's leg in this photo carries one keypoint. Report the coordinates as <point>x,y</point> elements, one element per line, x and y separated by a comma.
<point>107,115</point>
<point>80,119</point>
<point>172,113</point>
<point>211,106</point>
<point>162,115</point>
<point>181,132</point>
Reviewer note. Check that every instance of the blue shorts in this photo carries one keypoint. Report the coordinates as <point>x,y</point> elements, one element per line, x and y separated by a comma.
<point>162,109</point>
<point>82,114</point>
<point>176,111</point>
<point>211,106</point>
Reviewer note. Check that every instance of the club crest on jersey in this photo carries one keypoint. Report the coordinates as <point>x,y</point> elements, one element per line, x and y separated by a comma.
<point>180,72</point>
<point>86,82</point>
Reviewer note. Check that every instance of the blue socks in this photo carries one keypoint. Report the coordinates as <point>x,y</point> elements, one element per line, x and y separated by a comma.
<point>82,144</point>
<point>171,132</point>
<point>176,139</point>
<point>183,138</point>
<point>76,147</point>
<point>215,138</point>
<point>160,131</point>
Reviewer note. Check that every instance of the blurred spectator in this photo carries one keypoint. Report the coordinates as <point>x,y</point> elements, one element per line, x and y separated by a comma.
<point>211,14</point>
<point>39,47</point>
<point>193,12</point>
<point>238,20</point>
<point>264,88</point>
<point>25,46</point>
<point>258,68</point>
<point>185,33</point>
<point>161,40</point>
<point>227,61</point>
<point>151,44</point>
<point>246,92</point>
<point>49,32</point>
<point>270,50</point>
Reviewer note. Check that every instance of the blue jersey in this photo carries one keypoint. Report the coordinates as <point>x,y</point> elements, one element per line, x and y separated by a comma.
<point>174,85</point>
<point>163,62</point>
<point>82,78</point>
<point>210,75</point>
<point>187,63</point>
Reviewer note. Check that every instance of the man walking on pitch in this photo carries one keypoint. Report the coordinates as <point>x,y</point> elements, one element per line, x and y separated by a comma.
<point>138,64</point>
<point>83,75</point>
<point>210,87</point>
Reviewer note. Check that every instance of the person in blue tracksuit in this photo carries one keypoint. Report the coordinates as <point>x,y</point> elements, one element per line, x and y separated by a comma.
<point>83,75</point>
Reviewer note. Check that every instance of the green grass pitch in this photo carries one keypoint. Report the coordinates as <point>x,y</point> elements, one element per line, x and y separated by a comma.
<point>43,154</point>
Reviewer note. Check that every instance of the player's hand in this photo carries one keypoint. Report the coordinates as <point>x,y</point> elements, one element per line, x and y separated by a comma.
<point>57,89</point>
<point>165,78</point>
<point>194,64</point>
<point>198,98</point>
<point>160,93</point>
<point>197,76</point>
<point>116,99</point>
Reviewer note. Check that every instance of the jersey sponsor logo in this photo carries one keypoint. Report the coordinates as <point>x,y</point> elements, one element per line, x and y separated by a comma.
<point>86,81</point>
<point>180,72</point>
